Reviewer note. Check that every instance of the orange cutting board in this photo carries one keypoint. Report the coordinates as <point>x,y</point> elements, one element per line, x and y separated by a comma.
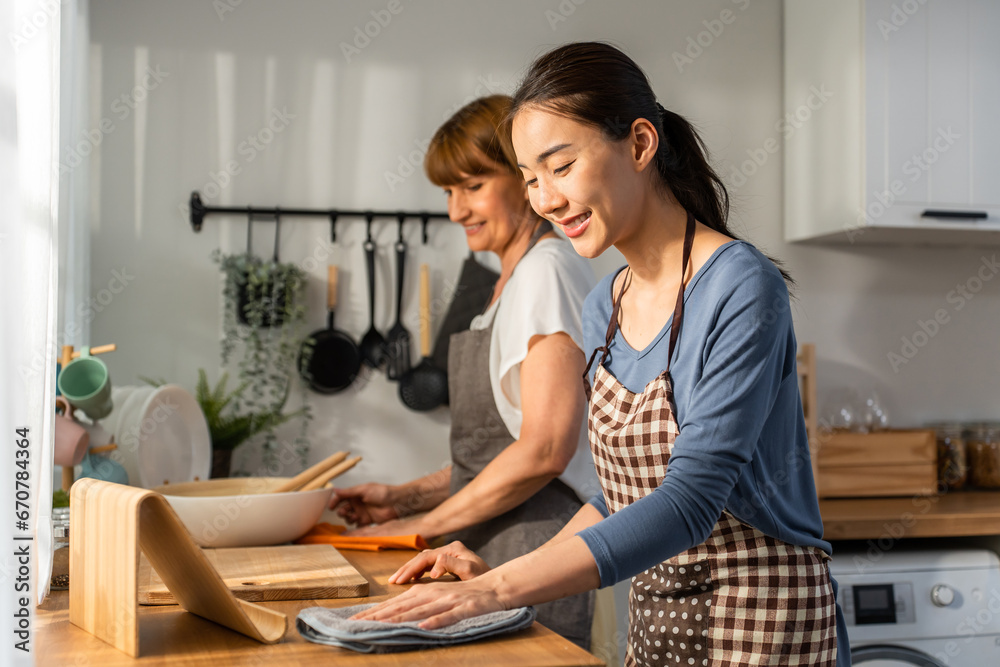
<point>263,574</point>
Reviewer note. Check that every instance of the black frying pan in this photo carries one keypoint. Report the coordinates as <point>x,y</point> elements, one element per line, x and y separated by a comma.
<point>335,358</point>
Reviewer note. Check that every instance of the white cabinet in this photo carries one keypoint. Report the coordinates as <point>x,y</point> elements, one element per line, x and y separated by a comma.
<point>907,127</point>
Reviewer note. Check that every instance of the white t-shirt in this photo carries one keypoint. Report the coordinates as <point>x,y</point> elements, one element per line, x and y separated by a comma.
<point>544,296</point>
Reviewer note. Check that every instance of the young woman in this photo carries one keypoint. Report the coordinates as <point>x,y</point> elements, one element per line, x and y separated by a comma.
<point>521,466</point>
<point>695,418</point>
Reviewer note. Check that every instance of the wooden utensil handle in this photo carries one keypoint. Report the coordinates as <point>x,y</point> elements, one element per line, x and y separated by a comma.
<point>425,310</point>
<point>331,473</point>
<point>311,472</point>
<point>331,287</point>
<point>100,349</point>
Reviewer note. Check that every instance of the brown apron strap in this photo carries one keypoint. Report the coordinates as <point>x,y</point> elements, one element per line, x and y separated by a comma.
<point>616,303</point>
<point>675,324</point>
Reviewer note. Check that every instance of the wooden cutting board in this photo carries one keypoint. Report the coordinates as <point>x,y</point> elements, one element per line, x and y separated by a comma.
<point>262,574</point>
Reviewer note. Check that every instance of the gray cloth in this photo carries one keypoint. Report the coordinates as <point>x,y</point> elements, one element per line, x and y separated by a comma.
<point>333,627</point>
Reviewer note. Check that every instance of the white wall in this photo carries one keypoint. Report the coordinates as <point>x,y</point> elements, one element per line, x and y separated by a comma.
<point>354,121</point>
<point>225,71</point>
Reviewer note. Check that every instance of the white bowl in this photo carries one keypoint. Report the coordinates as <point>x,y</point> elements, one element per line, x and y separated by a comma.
<point>239,511</point>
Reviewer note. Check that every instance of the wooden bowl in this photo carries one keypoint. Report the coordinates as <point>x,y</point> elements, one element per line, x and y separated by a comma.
<point>241,511</point>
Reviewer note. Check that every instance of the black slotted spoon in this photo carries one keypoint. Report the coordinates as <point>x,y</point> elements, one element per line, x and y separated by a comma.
<point>398,345</point>
<point>373,343</point>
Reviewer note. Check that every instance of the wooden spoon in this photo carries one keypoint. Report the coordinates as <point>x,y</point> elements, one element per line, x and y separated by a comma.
<point>310,473</point>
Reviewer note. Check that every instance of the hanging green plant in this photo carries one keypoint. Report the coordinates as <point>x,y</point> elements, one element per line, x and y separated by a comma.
<point>263,320</point>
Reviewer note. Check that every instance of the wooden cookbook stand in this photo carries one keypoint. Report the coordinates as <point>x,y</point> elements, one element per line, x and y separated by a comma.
<point>110,523</point>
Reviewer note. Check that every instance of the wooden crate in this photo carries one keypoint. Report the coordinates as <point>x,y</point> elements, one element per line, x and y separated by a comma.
<point>887,463</point>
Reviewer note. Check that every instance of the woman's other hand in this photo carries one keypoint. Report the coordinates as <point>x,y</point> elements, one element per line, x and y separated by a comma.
<point>454,558</point>
<point>365,504</point>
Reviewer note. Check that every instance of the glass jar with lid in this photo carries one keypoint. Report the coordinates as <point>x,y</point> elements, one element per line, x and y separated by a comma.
<point>983,443</point>
<point>952,456</point>
<point>60,558</point>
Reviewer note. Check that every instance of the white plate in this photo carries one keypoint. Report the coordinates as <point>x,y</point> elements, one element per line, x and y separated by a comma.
<point>162,436</point>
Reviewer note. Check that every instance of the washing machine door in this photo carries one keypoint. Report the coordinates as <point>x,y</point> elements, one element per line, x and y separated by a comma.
<point>891,656</point>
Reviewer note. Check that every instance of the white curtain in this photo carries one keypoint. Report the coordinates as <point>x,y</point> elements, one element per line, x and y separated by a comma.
<point>30,193</point>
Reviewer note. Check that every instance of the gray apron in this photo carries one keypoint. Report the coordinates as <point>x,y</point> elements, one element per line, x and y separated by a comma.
<point>478,434</point>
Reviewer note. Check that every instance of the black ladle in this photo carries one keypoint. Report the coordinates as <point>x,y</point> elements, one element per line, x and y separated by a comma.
<point>425,387</point>
<point>373,343</point>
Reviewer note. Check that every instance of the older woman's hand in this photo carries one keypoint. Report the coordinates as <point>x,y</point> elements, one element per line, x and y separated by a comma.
<point>454,558</point>
<point>365,503</point>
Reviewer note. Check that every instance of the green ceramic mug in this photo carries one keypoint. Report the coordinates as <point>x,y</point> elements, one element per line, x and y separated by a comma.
<point>86,383</point>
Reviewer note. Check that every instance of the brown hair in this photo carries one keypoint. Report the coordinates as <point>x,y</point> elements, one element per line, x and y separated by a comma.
<point>473,141</point>
<point>596,84</point>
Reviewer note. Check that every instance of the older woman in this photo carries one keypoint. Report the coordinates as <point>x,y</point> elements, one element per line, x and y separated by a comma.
<point>521,467</point>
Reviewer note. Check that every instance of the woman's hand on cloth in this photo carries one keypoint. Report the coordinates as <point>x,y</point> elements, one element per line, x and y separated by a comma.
<point>438,604</point>
<point>454,558</point>
<point>366,504</point>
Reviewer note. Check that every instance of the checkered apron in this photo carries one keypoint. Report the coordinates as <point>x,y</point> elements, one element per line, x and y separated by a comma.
<point>739,598</point>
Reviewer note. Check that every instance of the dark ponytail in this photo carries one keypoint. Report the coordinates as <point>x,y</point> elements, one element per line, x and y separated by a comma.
<point>596,84</point>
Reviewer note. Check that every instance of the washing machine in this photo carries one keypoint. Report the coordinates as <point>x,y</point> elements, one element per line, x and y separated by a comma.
<point>927,608</point>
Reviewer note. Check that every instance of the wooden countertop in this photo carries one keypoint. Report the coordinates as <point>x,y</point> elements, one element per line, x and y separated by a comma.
<point>956,514</point>
<point>174,637</point>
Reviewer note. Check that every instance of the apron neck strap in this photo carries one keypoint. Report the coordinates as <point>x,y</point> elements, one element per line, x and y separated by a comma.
<point>675,324</point>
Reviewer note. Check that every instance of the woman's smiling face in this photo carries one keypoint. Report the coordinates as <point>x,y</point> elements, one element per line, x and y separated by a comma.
<point>577,179</point>
<point>491,208</point>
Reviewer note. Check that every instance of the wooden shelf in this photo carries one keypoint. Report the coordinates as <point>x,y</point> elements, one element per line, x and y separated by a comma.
<point>957,514</point>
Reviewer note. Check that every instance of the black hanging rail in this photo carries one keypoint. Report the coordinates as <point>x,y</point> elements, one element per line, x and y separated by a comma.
<point>199,210</point>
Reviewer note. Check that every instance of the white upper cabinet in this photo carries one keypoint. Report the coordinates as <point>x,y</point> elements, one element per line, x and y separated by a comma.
<point>903,144</point>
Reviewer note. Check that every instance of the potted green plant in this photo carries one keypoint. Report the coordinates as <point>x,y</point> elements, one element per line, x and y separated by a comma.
<point>263,320</point>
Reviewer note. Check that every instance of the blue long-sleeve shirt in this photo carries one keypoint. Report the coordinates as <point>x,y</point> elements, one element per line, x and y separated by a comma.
<point>742,444</point>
